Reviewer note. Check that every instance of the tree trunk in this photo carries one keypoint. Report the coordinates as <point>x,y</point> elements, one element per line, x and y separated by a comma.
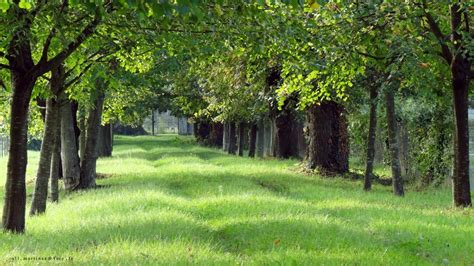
<point>460,84</point>
<point>77,130</point>
<point>203,132</point>
<point>252,139</point>
<point>216,134</point>
<point>268,137</point>
<point>22,82</point>
<point>69,153</point>
<point>40,194</point>
<point>55,162</point>
<point>328,145</point>
<point>260,139</point>
<point>397,180</point>
<point>241,139</point>
<point>284,143</point>
<point>369,166</point>
<point>232,138</point>
<point>88,163</point>
<point>105,141</point>
<point>15,190</point>
<point>82,137</point>
<point>152,122</point>
<point>225,137</point>
<point>403,143</point>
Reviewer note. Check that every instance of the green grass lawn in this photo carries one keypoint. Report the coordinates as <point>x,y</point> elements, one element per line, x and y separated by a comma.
<point>167,201</point>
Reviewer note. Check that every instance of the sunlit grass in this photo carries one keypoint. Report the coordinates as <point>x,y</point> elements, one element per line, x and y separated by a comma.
<point>168,201</point>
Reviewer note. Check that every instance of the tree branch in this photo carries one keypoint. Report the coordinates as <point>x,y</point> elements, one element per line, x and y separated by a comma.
<point>52,33</point>
<point>44,67</point>
<point>435,29</point>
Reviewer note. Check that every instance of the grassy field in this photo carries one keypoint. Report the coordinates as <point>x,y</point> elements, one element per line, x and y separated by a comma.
<point>167,201</point>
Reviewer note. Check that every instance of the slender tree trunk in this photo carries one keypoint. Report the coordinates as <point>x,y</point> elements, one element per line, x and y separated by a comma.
<point>241,139</point>
<point>260,139</point>
<point>461,182</point>
<point>152,122</point>
<point>268,137</point>
<point>55,162</point>
<point>82,137</point>
<point>40,194</point>
<point>89,162</point>
<point>369,167</point>
<point>232,138</point>
<point>225,137</point>
<point>252,139</point>
<point>328,145</point>
<point>393,143</point>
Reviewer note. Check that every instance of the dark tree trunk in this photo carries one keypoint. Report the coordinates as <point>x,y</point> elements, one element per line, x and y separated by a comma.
<point>252,139</point>
<point>216,134</point>
<point>22,82</point>
<point>55,162</point>
<point>241,138</point>
<point>260,139</point>
<point>77,130</point>
<point>225,137</point>
<point>203,132</point>
<point>328,145</point>
<point>152,122</point>
<point>369,166</point>
<point>89,162</point>
<point>460,84</point>
<point>40,194</point>
<point>397,180</point>
<point>15,189</point>
<point>105,141</point>
<point>284,143</point>
<point>69,153</point>
<point>232,138</point>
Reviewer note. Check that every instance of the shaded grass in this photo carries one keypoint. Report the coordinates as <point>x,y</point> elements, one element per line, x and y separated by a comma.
<point>168,201</point>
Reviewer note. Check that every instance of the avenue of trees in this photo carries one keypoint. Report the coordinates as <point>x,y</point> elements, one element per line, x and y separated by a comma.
<point>320,80</point>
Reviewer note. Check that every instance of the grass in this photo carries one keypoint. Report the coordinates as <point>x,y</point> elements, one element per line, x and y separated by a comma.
<point>168,201</point>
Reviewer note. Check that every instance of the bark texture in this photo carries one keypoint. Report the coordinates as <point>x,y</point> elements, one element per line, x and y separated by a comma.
<point>460,71</point>
<point>40,194</point>
<point>397,180</point>
<point>328,145</point>
<point>88,163</point>
<point>55,163</point>
<point>225,137</point>
<point>70,161</point>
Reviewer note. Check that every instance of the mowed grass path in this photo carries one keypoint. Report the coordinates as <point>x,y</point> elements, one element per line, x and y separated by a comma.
<point>169,201</point>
